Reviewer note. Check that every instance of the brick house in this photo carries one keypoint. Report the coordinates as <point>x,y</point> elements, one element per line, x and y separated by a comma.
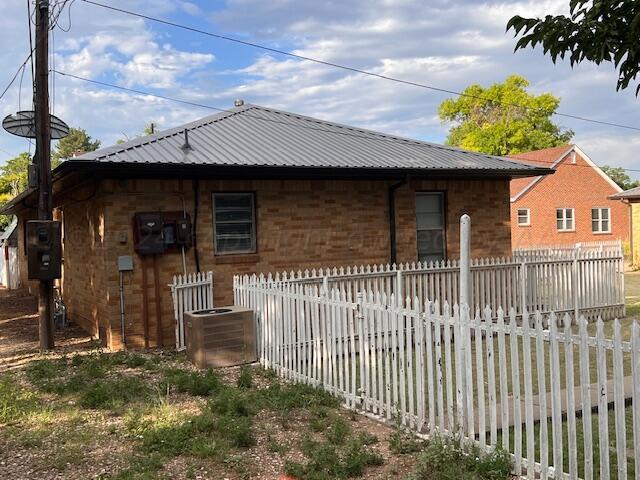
<point>264,190</point>
<point>568,207</point>
<point>632,199</point>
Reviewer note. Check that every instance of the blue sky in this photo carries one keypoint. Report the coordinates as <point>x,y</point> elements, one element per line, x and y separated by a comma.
<point>449,44</point>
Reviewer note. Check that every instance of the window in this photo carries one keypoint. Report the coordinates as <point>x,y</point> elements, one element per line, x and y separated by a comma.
<point>601,220</point>
<point>430,226</point>
<point>565,219</point>
<point>234,223</point>
<point>524,217</point>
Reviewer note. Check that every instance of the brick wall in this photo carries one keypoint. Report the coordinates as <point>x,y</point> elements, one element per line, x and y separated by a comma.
<point>300,224</point>
<point>572,186</point>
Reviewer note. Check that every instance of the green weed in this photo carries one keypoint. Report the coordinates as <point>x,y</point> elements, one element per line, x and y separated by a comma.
<point>194,383</point>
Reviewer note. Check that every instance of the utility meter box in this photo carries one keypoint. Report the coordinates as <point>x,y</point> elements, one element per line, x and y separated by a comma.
<point>183,232</point>
<point>44,249</point>
<point>148,236</point>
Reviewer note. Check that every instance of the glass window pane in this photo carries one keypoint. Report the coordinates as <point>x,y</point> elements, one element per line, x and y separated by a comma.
<point>559,214</point>
<point>429,203</point>
<point>559,224</point>
<point>430,245</point>
<point>569,223</point>
<point>568,213</point>
<point>595,214</point>
<point>605,225</point>
<point>234,227</point>
<point>595,226</point>
<point>605,214</point>
<point>426,221</point>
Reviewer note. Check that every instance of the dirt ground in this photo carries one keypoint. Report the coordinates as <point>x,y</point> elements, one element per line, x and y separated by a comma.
<point>63,440</point>
<point>19,331</point>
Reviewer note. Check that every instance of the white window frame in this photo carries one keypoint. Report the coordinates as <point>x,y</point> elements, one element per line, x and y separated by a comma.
<point>527,222</point>
<point>253,248</point>
<point>565,218</point>
<point>599,219</point>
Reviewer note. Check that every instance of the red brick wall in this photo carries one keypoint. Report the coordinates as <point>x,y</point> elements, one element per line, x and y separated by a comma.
<point>300,224</point>
<point>576,186</point>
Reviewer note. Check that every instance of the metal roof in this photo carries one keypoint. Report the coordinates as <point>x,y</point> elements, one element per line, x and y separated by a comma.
<point>632,193</point>
<point>255,136</point>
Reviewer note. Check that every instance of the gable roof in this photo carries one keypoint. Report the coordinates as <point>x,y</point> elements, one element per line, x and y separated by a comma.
<point>550,158</point>
<point>632,193</point>
<point>254,136</point>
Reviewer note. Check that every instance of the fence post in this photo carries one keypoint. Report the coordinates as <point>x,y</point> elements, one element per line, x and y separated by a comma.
<point>398,292</point>
<point>576,283</point>
<point>325,285</point>
<point>465,260</point>
<point>523,281</point>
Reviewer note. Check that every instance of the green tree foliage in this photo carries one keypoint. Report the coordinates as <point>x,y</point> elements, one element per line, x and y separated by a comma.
<point>13,180</point>
<point>619,175</point>
<point>596,31</point>
<point>77,142</point>
<point>493,120</point>
<point>149,128</point>
<point>14,173</point>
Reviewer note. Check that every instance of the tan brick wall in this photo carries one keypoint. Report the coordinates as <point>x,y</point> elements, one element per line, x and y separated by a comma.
<point>572,186</point>
<point>300,224</point>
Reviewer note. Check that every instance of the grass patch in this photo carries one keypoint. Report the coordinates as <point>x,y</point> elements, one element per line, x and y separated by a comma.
<point>16,402</point>
<point>245,380</point>
<point>113,393</point>
<point>453,459</point>
<point>326,461</point>
<point>194,383</point>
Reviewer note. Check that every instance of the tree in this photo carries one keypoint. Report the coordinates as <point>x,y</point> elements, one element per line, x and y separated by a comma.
<point>13,180</point>
<point>77,142</point>
<point>595,31</point>
<point>149,128</point>
<point>619,175</point>
<point>503,119</point>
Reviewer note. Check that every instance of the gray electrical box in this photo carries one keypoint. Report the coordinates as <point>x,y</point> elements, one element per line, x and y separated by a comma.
<point>44,249</point>
<point>125,263</point>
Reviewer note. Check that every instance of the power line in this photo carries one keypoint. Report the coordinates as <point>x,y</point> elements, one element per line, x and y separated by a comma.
<point>381,137</point>
<point>15,75</point>
<point>349,68</point>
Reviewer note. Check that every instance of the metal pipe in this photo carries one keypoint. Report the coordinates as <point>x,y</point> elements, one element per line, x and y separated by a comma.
<point>122,321</point>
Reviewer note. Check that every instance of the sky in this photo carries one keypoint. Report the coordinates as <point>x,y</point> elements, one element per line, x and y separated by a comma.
<point>447,44</point>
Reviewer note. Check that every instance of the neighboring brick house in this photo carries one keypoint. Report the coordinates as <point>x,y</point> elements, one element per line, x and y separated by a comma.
<point>568,207</point>
<point>266,191</point>
<point>632,199</point>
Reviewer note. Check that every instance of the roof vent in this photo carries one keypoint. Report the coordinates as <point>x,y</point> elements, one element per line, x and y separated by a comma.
<point>238,102</point>
<point>186,147</point>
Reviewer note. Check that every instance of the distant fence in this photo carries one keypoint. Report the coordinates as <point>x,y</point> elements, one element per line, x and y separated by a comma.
<point>190,292</point>
<point>553,397</point>
<point>590,283</point>
<point>608,247</point>
<point>9,267</point>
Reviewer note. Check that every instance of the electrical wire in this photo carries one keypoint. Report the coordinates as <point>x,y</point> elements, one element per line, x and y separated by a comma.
<point>15,75</point>
<point>379,136</point>
<point>349,68</point>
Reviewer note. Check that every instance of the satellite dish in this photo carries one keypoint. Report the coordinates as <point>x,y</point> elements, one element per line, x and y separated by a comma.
<point>23,124</point>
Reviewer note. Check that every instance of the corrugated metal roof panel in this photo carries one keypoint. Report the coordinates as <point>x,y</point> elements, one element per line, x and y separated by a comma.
<point>257,136</point>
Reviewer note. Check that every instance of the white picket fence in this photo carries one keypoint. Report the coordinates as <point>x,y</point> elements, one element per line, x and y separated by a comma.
<point>607,247</point>
<point>589,283</point>
<point>9,267</point>
<point>193,291</point>
<point>553,396</point>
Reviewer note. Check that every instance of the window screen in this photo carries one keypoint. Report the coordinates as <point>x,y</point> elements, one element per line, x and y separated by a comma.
<point>234,223</point>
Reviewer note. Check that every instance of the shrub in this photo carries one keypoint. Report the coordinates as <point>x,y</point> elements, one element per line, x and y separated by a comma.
<point>452,458</point>
<point>338,432</point>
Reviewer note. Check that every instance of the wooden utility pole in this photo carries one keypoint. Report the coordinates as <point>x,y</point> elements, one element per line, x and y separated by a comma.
<point>43,160</point>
